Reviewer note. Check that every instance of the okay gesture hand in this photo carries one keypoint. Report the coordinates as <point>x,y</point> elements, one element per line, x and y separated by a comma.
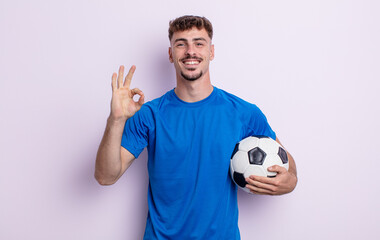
<point>122,104</point>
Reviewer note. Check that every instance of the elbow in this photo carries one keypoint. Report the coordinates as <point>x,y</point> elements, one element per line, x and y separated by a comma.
<point>103,181</point>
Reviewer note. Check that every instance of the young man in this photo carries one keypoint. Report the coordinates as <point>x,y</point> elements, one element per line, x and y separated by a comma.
<point>190,133</point>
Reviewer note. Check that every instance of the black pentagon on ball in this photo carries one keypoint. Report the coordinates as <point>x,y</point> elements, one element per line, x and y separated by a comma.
<point>235,150</point>
<point>283,155</point>
<point>239,179</point>
<point>256,156</point>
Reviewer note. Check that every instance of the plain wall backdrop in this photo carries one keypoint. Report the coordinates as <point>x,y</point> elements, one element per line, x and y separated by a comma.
<point>311,66</point>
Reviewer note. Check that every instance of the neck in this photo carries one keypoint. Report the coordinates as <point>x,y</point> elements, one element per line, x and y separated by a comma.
<point>193,91</point>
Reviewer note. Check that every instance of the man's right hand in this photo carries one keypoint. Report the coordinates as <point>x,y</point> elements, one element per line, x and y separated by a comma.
<point>122,104</point>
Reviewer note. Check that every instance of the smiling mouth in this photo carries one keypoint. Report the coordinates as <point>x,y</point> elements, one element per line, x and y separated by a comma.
<point>191,61</point>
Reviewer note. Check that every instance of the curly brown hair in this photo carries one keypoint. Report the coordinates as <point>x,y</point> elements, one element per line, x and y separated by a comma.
<point>188,22</point>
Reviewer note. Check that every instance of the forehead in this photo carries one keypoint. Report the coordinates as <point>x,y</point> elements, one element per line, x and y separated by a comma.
<point>191,34</point>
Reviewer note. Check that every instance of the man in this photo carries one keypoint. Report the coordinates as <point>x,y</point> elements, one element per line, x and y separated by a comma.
<point>190,133</point>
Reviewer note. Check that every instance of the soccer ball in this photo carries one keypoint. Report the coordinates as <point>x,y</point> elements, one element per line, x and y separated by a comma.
<point>253,155</point>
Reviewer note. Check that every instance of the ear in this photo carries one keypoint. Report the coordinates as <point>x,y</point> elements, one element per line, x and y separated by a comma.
<point>170,55</point>
<point>212,52</point>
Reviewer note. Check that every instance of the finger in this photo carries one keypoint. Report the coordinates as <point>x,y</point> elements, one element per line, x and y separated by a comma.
<point>114,86</point>
<point>276,168</point>
<point>138,92</point>
<point>274,182</point>
<point>129,76</point>
<point>257,190</point>
<point>141,100</point>
<point>121,76</point>
<point>261,185</point>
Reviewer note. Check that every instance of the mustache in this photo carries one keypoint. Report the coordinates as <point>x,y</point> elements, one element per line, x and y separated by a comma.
<point>191,58</point>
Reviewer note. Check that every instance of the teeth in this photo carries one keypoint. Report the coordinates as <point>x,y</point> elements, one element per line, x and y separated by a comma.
<point>191,63</point>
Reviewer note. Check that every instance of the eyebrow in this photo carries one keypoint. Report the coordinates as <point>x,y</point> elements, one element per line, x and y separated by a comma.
<point>194,39</point>
<point>199,39</point>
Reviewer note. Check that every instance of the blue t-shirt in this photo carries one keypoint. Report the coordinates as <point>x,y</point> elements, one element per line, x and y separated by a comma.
<point>190,193</point>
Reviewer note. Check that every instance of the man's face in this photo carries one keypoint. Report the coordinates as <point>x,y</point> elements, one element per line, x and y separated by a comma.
<point>191,52</point>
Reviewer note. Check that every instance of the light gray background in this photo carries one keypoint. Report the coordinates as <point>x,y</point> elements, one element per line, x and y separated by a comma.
<point>311,66</point>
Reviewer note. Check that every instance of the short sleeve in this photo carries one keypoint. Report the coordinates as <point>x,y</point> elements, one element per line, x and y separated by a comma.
<point>258,124</point>
<point>136,131</point>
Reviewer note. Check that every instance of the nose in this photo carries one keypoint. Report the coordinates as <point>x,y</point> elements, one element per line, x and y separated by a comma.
<point>190,50</point>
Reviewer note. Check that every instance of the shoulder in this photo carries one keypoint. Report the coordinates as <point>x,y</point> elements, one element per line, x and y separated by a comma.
<point>235,101</point>
<point>251,116</point>
<point>247,112</point>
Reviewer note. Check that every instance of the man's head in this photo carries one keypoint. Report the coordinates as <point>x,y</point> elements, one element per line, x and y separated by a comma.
<point>187,22</point>
<point>190,46</point>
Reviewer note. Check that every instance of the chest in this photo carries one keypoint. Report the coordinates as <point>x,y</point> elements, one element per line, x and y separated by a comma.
<point>192,138</point>
<point>211,126</point>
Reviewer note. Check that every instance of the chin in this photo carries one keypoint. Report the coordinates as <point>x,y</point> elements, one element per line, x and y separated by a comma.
<point>192,77</point>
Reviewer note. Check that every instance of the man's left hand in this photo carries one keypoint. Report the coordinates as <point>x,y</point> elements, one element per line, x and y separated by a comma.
<point>283,183</point>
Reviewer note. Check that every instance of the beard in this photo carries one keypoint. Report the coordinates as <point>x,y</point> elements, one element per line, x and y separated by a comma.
<point>191,77</point>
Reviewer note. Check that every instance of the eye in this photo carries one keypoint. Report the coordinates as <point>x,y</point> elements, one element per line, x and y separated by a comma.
<point>180,45</point>
<point>199,44</point>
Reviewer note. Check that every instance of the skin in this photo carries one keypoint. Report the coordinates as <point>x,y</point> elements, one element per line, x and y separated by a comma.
<point>184,47</point>
<point>193,84</point>
<point>112,160</point>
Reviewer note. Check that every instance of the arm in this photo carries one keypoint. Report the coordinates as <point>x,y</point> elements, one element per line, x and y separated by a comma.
<point>284,182</point>
<point>112,160</point>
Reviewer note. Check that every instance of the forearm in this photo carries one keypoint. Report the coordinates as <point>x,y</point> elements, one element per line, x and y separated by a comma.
<point>292,165</point>
<point>108,160</point>
<point>293,171</point>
